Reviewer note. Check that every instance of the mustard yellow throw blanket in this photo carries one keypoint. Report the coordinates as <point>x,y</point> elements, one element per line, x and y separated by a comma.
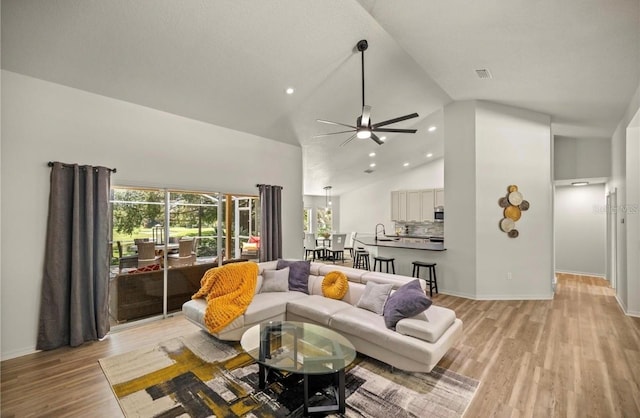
<point>228,291</point>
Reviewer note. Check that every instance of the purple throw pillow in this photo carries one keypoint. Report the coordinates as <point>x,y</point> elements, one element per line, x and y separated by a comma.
<point>409,300</point>
<point>298,274</point>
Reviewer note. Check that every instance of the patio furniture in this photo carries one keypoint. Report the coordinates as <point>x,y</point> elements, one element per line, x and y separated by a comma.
<point>125,261</point>
<point>147,254</point>
<point>185,255</point>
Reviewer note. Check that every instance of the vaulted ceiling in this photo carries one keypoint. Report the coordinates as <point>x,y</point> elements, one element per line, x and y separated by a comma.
<point>228,62</point>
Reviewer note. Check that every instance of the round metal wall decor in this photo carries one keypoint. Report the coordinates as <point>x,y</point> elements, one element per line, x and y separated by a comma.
<point>513,204</point>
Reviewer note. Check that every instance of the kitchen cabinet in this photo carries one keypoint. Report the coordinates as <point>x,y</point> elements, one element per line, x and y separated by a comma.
<point>399,206</point>
<point>439,197</point>
<point>427,204</point>
<point>415,205</point>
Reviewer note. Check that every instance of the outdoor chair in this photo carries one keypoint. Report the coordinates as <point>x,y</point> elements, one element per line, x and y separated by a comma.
<point>147,254</point>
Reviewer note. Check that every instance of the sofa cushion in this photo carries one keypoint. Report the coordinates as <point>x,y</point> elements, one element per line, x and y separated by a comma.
<point>316,308</point>
<point>267,305</point>
<point>353,275</point>
<point>374,297</point>
<point>396,280</point>
<point>370,327</point>
<point>275,281</point>
<point>407,301</point>
<point>335,285</point>
<point>428,325</point>
<point>298,274</point>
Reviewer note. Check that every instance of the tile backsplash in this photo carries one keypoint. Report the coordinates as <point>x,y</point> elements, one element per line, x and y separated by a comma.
<point>420,228</point>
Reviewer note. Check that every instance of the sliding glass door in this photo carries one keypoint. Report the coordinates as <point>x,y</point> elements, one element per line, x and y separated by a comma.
<point>165,240</point>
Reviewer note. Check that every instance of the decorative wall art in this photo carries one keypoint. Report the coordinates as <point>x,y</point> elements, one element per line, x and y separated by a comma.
<point>513,205</point>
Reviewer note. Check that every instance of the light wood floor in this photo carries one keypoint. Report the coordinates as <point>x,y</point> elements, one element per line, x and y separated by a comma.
<point>575,356</point>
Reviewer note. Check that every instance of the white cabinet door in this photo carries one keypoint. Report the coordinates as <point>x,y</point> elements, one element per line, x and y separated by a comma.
<point>395,206</point>
<point>439,197</point>
<point>402,205</point>
<point>414,206</point>
<point>427,204</point>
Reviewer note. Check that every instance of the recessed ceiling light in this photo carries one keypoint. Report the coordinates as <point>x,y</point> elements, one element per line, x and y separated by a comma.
<point>432,128</point>
<point>406,164</point>
<point>429,155</point>
<point>382,138</point>
<point>289,90</point>
<point>372,154</point>
<point>579,183</point>
<point>372,165</point>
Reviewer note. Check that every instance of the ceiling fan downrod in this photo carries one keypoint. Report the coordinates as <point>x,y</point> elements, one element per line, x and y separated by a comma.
<point>362,46</point>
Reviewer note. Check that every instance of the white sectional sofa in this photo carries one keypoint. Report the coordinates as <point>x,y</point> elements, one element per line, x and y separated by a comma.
<point>417,344</point>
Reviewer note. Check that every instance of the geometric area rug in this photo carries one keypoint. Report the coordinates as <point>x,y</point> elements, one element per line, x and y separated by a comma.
<point>199,376</point>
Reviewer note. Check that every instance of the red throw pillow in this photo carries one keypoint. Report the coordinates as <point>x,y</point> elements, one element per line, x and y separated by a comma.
<point>254,240</point>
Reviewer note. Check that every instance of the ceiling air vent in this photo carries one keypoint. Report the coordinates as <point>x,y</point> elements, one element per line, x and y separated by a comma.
<point>369,171</point>
<point>483,73</point>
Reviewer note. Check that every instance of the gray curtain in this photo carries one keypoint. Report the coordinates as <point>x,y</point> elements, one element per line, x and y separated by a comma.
<point>74,302</point>
<point>270,222</point>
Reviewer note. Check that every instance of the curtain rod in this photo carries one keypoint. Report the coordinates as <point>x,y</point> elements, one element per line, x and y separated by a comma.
<point>268,185</point>
<point>50,164</point>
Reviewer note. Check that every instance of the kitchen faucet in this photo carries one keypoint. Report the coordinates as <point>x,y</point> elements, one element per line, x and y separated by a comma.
<point>383,231</point>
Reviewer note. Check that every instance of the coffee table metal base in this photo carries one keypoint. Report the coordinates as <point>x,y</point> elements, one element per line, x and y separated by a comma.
<point>338,388</point>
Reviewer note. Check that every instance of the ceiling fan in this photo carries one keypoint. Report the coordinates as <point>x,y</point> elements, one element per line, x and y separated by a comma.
<point>364,128</point>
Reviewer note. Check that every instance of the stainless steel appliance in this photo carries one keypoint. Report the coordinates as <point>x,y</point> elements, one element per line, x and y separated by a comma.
<point>438,214</point>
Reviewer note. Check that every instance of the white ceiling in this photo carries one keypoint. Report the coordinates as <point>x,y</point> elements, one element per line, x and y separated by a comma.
<point>228,62</point>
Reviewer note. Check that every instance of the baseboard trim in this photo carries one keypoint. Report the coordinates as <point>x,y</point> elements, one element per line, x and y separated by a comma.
<point>515,297</point>
<point>456,294</point>
<point>625,310</point>
<point>18,353</point>
<point>496,297</point>
<point>582,273</point>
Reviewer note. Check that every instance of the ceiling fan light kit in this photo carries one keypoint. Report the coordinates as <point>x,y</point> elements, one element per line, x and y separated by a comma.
<point>363,128</point>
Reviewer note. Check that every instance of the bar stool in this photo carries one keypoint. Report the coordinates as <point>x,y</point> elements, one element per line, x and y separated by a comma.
<point>385,260</point>
<point>361,259</point>
<point>431,267</point>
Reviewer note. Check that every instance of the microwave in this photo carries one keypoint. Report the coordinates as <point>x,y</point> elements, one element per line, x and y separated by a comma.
<point>438,214</point>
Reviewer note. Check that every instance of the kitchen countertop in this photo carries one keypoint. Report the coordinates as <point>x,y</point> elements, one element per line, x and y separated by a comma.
<point>414,236</point>
<point>400,244</point>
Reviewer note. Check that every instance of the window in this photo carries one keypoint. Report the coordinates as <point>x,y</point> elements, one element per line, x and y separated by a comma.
<point>306,220</point>
<point>323,221</point>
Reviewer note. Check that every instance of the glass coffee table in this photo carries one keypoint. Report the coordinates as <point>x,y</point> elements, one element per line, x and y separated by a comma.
<point>301,348</point>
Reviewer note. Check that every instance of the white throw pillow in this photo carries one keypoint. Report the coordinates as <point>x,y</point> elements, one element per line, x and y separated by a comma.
<point>374,297</point>
<point>275,280</point>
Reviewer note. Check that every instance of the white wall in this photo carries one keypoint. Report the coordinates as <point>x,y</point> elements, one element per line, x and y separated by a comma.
<point>513,146</point>
<point>628,286</point>
<point>581,158</point>
<point>43,122</point>
<point>362,209</point>
<point>460,194</point>
<point>580,229</point>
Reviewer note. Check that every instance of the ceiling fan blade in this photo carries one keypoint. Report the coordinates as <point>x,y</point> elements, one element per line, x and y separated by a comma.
<point>335,123</point>
<point>376,139</point>
<point>365,120</point>
<point>332,133</point>
<point>405,131</point>
<point>394,120</point>
<point>348,140</point>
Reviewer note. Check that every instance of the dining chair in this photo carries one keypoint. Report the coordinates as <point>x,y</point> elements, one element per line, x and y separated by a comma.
<point>336,249</point>
<point>147,254</point>
<point>310,246</point>
<point>349,243</point>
